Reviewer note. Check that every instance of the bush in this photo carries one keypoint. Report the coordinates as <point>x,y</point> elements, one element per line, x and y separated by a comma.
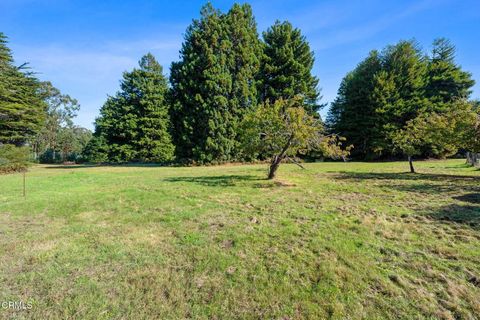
<point>47,157</point>
<point>13,159</point>
<point>96,150</point>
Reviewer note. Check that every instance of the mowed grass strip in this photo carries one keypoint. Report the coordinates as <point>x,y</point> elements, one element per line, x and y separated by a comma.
<point>337,240</point>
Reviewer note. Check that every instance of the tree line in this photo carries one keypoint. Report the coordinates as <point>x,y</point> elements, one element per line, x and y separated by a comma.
<point>235,95</point>
<point>393,100</point>
<point>225,71</point>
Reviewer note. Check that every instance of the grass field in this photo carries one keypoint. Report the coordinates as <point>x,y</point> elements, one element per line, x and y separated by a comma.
<point>340,241</point>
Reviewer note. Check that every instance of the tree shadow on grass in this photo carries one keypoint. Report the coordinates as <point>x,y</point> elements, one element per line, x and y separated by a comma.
<point>416,182</point>
<point>459,166</point>
<point>215,181</point>
<point>465,214</point>
<point>457,187</point>
<point>126,165</point>
<point>403,176</point>
<point>473,198</point>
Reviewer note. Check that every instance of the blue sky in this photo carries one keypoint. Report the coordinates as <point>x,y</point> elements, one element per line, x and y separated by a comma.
<point>84,46</point>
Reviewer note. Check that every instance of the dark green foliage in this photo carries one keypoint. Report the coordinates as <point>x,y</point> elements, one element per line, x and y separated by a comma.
<point>96,150</point>
<point>214,83</point>
<point>13,158</point>
<point>72,140</point>
<point>446,80</point>
<point>387,90</point>
<point>353,113</point>
<point>286,70</point>
<point>135,123</point>
<point>398,94</point>
<point>21,106</point>
<point>472,136</point>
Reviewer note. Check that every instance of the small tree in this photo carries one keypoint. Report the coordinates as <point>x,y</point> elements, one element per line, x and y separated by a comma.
<point>13,158</point>
<point>444,133</point>
<point>284,129</point>
<point>408,141</point>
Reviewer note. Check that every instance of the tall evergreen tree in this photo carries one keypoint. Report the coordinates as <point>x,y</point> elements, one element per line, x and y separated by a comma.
<point>446,81</point>
<point>379,97</point>
<point>286,69</point>
<point>243,59</point>
<point>214,83</point>
<point>21,106</point>
<point>135,123</point>
<point>353,114</point>
<point>399,92</point>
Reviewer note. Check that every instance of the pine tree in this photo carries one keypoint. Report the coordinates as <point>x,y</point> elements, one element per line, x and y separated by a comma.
<point>117,125</point>
<point>214,83</point>
<point>286,70</point>
<point>378,101</point>
<point>243,59</point>
<point>147,88</point>
<point>446,81</point>
<point>379,97</point>
<point>22,110</point>
<point>399,92</point>
<point>135,122</point>
<point>96,149</point>
<point>353,114</point>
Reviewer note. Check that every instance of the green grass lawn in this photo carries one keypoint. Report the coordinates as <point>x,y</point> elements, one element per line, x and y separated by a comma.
<point>337,240</point>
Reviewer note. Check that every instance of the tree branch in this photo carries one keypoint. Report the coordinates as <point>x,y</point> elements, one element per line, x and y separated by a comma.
<point>296,162</point>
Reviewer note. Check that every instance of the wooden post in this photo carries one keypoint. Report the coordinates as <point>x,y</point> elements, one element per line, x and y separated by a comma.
<point>24,188</point>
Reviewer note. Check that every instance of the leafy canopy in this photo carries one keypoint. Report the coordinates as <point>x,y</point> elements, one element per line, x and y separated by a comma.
<point>283,129</point>
<point>445,132</point>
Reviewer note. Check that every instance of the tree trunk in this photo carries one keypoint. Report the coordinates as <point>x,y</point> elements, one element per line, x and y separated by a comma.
<point>35,151</point>
<point>273,167</point>
<point>278,159</point>
<point>410,162</point>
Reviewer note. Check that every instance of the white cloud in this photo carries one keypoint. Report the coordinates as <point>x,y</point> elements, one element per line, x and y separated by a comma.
<point>90,74</point>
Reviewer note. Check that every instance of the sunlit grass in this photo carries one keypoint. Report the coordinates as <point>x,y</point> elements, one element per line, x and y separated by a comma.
<point>337,240</point>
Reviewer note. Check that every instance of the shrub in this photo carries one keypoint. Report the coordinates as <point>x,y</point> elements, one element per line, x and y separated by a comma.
<point>13,159</point>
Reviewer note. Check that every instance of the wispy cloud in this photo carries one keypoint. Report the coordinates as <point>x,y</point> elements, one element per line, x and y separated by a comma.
<point>73,64</point>
<point>368,29</point>
<point>90,74</point>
